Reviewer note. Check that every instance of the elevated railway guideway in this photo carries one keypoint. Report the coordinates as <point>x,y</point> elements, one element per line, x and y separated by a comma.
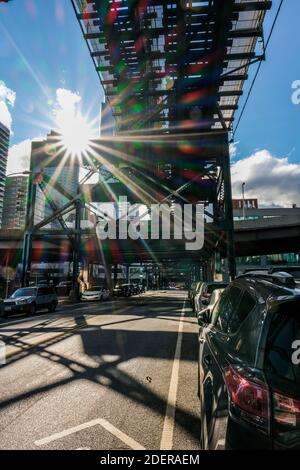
<point>172,72</point>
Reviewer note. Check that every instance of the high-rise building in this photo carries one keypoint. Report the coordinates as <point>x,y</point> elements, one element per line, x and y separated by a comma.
<point>15,202</point>
<point>4,143</point>
<point>49,158</point>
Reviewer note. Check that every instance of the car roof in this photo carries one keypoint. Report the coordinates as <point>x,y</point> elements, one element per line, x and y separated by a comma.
<point>218,284</point>
<point>267,289</point>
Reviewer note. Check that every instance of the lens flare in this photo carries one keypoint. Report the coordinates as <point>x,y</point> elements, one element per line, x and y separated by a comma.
<point>76,134</point>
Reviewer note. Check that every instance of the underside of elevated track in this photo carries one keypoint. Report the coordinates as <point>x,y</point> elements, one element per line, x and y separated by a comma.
<point>172,73</point>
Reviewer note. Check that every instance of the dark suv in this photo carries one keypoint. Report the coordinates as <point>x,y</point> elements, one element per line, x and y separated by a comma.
<point>249,366</point>
<point>122,290</point>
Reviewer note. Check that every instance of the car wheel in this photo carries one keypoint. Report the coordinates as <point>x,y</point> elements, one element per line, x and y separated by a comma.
<point>52,306</point>
<point>32,309</point>
<point>101,298</point>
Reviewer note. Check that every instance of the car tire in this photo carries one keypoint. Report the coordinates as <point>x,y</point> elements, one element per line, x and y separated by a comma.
<point>32,310</point>
<point>52,306</point>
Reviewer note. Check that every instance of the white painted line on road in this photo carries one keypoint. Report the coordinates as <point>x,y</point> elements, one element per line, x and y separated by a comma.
<point>169,421</point>
<point>120,435</point>
<point>66,432</point>
<point>99,421</point>
<point>220,444</point>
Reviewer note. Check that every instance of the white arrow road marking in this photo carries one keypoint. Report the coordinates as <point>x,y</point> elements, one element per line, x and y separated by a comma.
<point>102,422</point>
<point>169,422</point>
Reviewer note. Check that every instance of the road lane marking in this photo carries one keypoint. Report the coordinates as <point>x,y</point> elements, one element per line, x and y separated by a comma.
<point>120,435</point>
<point>220,444</point>
<point>169,421</point>
<point>99,421</point>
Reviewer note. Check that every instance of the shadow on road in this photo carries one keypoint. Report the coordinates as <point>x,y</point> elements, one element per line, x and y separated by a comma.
<point>124,344</point>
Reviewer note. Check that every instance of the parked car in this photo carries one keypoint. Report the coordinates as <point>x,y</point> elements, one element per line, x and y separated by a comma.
<point>202,298</point>
<point>195,287</point>
<point>249,270</point>
<point>282,278</point>
<point>44,283</point>
<point>293,270</point>
<point>122,290</point>
<point>95,293</point>
<point>63,288</point>
<point>205,314</point>
<point>249,371</point>
<point>31,299</point>
<point>135,289</point>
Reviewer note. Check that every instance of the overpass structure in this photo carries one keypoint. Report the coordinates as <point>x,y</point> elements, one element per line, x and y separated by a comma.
<point>172,72</point>
<point>267,231</point>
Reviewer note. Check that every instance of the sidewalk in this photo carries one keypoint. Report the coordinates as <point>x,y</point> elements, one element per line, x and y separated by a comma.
<point>66,301</point>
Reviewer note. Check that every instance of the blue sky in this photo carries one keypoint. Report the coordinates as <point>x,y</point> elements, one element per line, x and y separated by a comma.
<point>41,49</point>
<point>271,121</point>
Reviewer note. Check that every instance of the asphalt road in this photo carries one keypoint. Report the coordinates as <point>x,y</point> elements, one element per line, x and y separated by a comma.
<point>110,375</point>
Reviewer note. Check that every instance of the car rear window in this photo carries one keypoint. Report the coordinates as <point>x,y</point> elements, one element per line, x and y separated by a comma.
<point>245,307</point>
<point>225,308</point>
<point>283,343</point>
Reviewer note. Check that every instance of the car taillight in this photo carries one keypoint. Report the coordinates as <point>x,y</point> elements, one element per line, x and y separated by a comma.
<point>286,410</point>
<point>249,400</point>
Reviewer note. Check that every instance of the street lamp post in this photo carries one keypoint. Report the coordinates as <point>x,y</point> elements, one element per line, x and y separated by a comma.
<point>26,172</point>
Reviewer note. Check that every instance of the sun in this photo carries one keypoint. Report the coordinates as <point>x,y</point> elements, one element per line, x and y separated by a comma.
<point>76,134</point>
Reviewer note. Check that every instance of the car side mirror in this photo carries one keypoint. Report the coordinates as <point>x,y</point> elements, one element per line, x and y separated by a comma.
<point>204,317</point>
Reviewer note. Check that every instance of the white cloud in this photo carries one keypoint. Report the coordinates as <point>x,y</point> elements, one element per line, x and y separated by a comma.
<point>66,106</point>
<point>65,111</point>
<point>19,157</point>
<point>273,180</point>
<point>233,149</point>
<point>7,98</point>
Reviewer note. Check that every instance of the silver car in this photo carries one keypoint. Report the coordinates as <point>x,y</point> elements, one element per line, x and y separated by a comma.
<point>30,299</point>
